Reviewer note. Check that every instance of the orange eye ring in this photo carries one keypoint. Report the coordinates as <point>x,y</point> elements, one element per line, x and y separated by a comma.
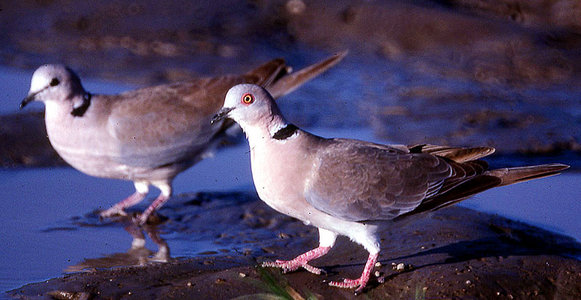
<point>247,98</point>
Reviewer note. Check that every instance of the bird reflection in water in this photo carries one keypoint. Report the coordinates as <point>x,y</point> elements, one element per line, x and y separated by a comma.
<point>137,255</point>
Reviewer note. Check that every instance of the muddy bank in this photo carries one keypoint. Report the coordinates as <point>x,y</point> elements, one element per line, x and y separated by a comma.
<point>498,41</point>
<point>25,142</point>
<point>454,253</point>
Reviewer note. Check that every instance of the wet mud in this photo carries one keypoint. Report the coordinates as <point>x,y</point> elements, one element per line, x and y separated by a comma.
<point>453,253</point>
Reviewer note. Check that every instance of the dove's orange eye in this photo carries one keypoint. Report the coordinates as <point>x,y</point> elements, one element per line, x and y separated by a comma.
<point>247,98</point>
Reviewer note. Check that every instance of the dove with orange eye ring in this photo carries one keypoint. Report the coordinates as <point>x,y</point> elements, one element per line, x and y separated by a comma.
<point>351,187</point>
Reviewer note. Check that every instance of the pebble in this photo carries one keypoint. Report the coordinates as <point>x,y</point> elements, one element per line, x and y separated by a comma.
<point>295,7</point>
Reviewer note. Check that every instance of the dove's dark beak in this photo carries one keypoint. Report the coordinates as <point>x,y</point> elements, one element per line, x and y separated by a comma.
<point>31,97</point>
<point>222,114</point>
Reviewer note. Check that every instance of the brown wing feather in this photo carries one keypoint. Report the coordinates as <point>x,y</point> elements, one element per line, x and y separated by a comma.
<point>456,154</point>
<point>169,123</point>
<point>359,181</point>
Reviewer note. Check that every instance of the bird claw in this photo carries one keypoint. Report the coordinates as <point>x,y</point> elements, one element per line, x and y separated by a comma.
<point>285,265</point>
<point>139,220</point>
<point>349,284</point>
<point>113,211</point>
<point>292,265</point>
<point>312,269</point>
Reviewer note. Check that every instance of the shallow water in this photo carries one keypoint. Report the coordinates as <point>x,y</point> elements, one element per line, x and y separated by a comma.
<point>41,240</point>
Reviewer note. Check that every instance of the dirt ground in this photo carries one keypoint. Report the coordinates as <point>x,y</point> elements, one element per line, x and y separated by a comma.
<point>453,253</point>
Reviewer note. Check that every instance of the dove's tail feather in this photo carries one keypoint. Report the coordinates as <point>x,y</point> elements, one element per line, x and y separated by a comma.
<point>521,174</point>
<point>269,72</point>
<point>291,81</point>
<point>475,184</point>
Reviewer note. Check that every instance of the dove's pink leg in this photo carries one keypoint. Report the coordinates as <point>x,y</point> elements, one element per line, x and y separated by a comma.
<point>360,282</point>
<point>300,261</point>
<point>141,190</point>
<point>166,190</point>
<point>118,209</point>
<point>158,202</point>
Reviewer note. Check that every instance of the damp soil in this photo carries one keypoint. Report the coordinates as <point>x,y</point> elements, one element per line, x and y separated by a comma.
<point>452,253</point>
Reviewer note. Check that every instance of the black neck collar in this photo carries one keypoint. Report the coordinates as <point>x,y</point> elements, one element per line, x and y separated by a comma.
<point>285,132</point>
<point>80,111</point>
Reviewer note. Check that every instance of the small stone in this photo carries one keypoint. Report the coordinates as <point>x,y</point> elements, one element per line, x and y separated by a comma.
<point>189,284</point>
<point>400,267</point>
<point>295,7</point>
<point>242,275</point>
<point>377,264</point>
<point>377,273</point>
<point>468,282</point>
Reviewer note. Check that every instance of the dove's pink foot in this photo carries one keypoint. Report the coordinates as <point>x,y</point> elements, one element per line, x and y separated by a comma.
<point>158,202</point>
<point>300,261</point>
<point>118,209</point>
<point>360,282</point>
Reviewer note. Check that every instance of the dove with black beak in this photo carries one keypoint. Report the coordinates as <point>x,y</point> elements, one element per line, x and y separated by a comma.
<point>351,187</point>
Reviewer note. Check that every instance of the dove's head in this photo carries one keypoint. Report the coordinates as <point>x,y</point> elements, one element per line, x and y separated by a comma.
<point>249,104</point>
<point>55,83</point>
